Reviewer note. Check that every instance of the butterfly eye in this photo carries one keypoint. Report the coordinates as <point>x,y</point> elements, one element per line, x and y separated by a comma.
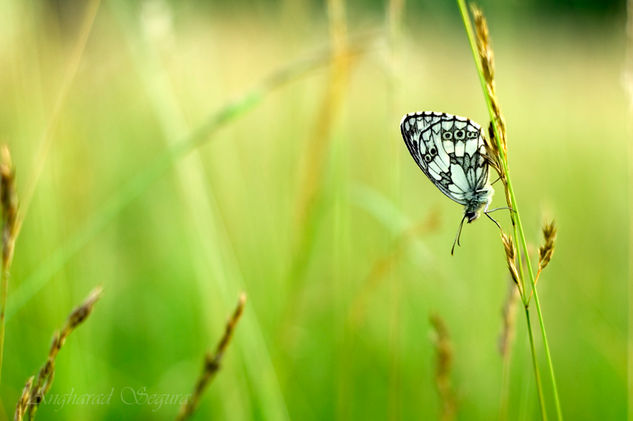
<point>447,135</point>
<point>459,134</point>
<point>427,158</point>
<point>432,150</point>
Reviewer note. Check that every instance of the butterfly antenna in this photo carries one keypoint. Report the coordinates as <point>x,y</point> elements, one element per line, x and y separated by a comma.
<point>458,236</point>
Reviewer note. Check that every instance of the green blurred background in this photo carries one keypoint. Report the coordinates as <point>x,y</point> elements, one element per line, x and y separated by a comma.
<point>311,204</point>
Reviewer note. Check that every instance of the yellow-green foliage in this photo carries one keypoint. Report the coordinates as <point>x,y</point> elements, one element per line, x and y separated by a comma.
<point>342,263</point>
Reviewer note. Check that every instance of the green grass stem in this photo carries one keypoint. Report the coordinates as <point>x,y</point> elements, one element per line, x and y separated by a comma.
<point>516,218</point>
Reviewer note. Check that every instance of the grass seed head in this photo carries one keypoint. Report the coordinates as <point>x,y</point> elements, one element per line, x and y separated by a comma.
<point>212,363</point>
<point>24,401</point>
<point>546,251</point>
<point>36,388</point>
<point>83,311</point>
<point>486,57</point>
<point>508,246</point>
<point>444,358</point>
<point>492,152</point>
<point>483,43</point>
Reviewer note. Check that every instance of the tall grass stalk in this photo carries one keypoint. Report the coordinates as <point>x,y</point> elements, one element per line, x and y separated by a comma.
<point>314,160</point>
<point>46,138</point>
<point>395,9</point>
<point>482,54</point>
<point>310,204</point>
<point>217,272</point>
<point>628,81</point>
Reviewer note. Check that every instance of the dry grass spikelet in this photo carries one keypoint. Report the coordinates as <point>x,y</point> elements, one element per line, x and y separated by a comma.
<point>508,246</point>
<point>492,151</point>
<point>35,390</point>
<point>444,359</point>
<point>486,56</point>
<point>483,44</point>
<point>212,362</point>
<point>494,160</point>
<point>546,251</point>
<point>23,402</point>
<point>496,139</point>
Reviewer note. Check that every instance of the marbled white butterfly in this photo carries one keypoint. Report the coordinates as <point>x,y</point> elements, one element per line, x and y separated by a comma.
<point>450,150</point>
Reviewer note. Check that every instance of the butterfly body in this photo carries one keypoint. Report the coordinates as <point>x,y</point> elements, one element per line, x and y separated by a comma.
<point>450,150</point>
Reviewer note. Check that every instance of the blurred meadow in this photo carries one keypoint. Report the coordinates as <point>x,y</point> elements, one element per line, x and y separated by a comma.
<point>304,196</point>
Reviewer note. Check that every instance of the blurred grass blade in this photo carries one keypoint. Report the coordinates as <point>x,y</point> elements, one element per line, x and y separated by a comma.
<point>391,217</point>
<point>311,204</point>
<point>46,138</point>
<point>443,366</point>
<point>212,250</point>
<point>139,184</point>
<point>130,191</point>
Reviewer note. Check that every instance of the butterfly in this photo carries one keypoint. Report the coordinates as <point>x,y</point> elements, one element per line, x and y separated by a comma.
<point>450,150</point>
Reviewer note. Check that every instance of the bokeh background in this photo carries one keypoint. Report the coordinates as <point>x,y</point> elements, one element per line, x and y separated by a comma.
<point>309,202</point>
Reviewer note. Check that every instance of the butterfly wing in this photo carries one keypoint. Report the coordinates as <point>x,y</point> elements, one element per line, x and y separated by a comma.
<point>450,150</point>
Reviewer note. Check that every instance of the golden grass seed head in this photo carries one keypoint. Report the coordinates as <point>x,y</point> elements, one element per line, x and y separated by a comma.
<point>444,358</point>
<point>508,246</point>
<point>83,311</point>
<point>546,251</point>
<point>486,57</point>
<point>211,363</point>
<point>24,401</point>
<point>443,346</point>
<point>37,389</point>
<point>491,144</point>
<point>483,43</point>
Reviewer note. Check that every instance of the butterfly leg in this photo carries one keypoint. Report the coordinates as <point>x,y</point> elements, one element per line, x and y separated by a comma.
<point>492,219</point>
<point>498,178</point>
<point>496,209</point>
<point>459,234</point>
